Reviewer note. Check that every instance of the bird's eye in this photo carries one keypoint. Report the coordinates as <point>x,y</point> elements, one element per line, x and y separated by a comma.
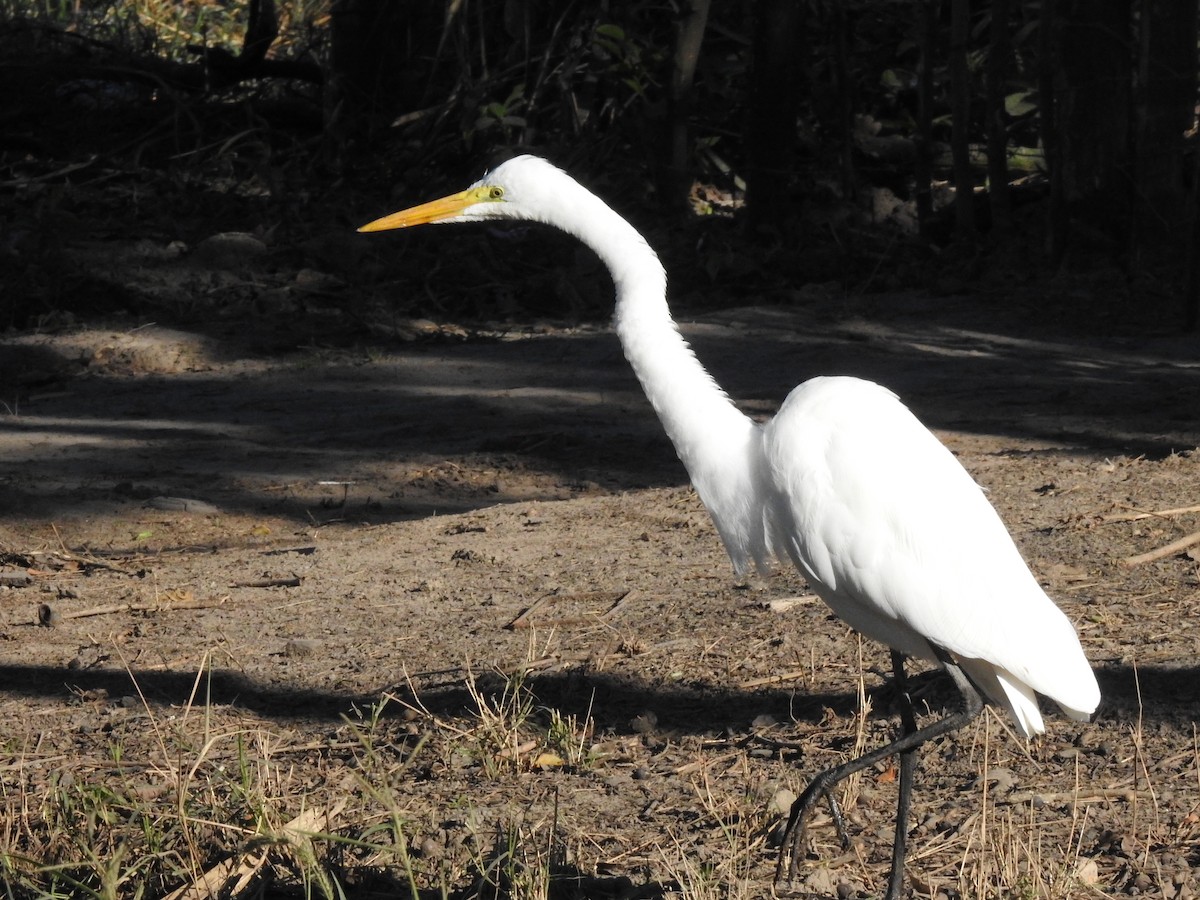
<point>496,193</point>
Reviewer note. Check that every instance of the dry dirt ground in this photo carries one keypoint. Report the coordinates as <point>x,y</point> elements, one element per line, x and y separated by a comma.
<point>452,596</point>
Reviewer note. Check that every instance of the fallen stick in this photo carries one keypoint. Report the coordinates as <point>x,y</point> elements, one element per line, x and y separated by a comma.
<point>522,621</point>
<point>1095,795</point>
<point>85,560</point>
<point>1158,514</point>
<point>620,605</point>
<point>142,607</point>
<point>268,583</point>
<point>794,675</point>
<point>1169,550</point>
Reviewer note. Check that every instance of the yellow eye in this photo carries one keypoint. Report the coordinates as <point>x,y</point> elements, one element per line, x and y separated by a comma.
<point>496,193</point>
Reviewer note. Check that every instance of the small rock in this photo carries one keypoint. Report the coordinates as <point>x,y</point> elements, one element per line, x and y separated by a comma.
<point>1002,780</point>
<point>645,723</point>
<point>819,882</point>
<point>47,616</point>
<point>301,647</point>
<point>430,849</point>
<point>616,783</point>
<point>781,802</point>
<point>312,280</point>
<point>229,250</point>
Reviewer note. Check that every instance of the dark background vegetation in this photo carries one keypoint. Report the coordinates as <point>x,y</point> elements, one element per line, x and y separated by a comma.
<point>763,144</point>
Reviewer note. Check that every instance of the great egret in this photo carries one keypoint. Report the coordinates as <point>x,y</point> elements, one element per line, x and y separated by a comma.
<point>886,525</point>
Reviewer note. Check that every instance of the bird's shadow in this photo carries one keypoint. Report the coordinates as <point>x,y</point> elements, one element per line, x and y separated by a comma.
<point>1160,693</point>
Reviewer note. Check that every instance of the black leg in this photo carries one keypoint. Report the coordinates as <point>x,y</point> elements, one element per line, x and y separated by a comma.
<point>793,837</point>
<point>908,759</point>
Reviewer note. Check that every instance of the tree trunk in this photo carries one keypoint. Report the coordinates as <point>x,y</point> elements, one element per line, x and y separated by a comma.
<point>689,37</point>
<point>774,99</point>
<point>1056,239</point>
<point>1093,97</point>
<point>997,119</point>
<point>1166,99</point>
<point>926,13</point>
<point>960,104</point>
<point>845,98</point>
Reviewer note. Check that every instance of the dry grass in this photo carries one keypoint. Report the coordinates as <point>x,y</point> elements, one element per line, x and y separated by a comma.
<point>210,799</point>
<point>212,806</point>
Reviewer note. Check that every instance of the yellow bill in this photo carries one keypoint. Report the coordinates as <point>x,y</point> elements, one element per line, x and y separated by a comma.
<point>433,211</point>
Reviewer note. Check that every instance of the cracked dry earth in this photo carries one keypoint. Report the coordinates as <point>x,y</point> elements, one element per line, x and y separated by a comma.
<point>216,559</point>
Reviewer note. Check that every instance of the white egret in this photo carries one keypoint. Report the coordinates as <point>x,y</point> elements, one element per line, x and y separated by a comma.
<point>884,522</point>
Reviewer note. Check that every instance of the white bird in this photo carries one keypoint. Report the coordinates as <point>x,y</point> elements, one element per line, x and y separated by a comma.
<point>886,525</point>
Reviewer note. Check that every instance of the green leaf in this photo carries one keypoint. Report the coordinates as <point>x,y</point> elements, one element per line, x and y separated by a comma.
<point>897,79</point>
<point>1021,103</point>
<point>616,32</point>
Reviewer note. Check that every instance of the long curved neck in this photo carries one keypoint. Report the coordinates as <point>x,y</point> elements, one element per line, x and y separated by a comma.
<point>715,441</point>
<point>692,407</point>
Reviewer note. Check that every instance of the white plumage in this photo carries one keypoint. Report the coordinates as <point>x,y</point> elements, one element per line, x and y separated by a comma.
<point>845,482</point>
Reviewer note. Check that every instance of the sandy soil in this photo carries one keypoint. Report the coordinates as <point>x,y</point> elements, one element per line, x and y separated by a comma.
<point>211,550</point>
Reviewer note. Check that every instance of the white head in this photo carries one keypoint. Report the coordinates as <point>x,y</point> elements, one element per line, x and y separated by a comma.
<point>525,188</point>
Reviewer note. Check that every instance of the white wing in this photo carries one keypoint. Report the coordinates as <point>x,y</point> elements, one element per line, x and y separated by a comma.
<point>901,543</point>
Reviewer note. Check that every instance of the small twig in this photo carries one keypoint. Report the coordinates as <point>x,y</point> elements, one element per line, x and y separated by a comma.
<point>269,583</point>
<point>783,604</point>
<point>217,880</point>
<point>621,603</point>
<point>794,675</point>
<point>522,621</point>
<point>51,176</point>
<point>142,607</point>
<point>1157,514</point>
<point>1097,795</point>
<point>85,560</point>
<point>702,763</point>
<point>1169,550</point>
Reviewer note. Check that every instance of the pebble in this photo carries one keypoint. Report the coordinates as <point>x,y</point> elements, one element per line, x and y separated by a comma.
<point>48,616</point>
<point>301,647</point>
<point>781,802</point>
<point>430,849</point>
<point>1002,780</point>
<point>229,250</point>
<point>645,723</point>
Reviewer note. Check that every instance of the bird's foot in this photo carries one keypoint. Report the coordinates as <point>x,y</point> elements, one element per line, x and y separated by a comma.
<point>791,848</point>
